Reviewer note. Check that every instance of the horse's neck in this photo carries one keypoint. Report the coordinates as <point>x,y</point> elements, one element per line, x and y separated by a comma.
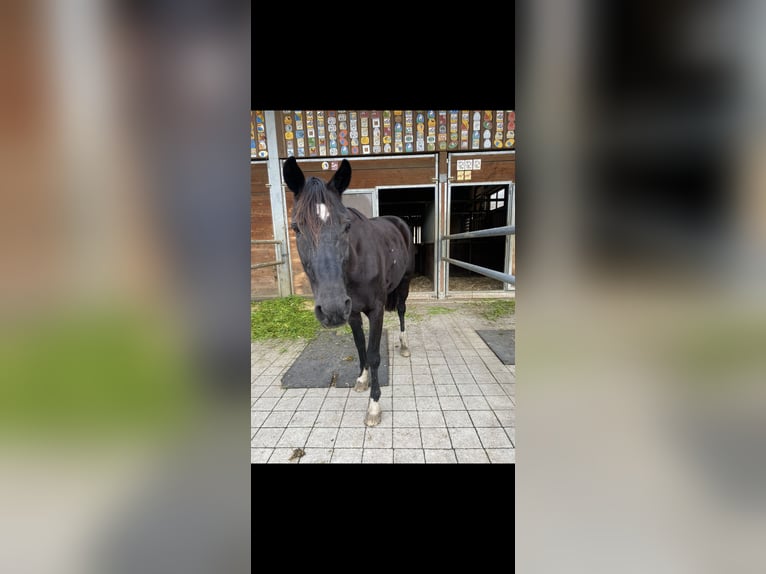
<point>356,213</point>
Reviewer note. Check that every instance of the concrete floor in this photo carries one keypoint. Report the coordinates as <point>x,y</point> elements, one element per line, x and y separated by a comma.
<point>451,401</point>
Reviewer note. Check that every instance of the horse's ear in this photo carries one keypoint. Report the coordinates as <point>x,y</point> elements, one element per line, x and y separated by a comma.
<point>293,175</point>
<point>342,177</point>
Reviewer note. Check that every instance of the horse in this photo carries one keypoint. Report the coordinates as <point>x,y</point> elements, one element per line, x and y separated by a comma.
<point>355,265</point>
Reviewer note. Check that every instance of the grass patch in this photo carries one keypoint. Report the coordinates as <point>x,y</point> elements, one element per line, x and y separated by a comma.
<point>494,309</point>
<point>345,329</point>
<point>283,318</point>
<point>293,318</point>
<point>411,316</point>
<point>93,375</point>
<point>439,311</point>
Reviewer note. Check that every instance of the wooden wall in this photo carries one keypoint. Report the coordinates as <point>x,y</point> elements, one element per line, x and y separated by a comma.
<point>263,282</point>
<point>494,167</point>
<point>369,173</point>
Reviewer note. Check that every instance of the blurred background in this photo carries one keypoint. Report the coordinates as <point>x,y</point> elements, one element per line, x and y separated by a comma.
<point>641,314</point>
<point>124,291</point>
<point>124,334</point>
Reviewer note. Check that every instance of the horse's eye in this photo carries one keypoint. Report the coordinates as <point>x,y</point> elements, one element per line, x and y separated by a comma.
<point>347,227</point>
<point>295,228</point>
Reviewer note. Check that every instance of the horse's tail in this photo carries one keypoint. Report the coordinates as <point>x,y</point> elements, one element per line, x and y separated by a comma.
<point>392,300</point>
<point>398,296</point>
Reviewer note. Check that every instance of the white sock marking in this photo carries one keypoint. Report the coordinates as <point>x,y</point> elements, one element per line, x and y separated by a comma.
<point>373,408</point>
<point>403,339</point>
<point>362,379</point>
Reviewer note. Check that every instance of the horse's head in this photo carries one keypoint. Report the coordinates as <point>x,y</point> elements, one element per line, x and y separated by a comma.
<point>321,224</point>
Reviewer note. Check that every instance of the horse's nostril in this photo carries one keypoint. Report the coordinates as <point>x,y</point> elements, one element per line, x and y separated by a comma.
<point>348,304</point>
<point>318,309</point>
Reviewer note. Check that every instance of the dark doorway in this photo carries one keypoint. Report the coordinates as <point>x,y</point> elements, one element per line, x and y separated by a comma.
<point>416,206</point>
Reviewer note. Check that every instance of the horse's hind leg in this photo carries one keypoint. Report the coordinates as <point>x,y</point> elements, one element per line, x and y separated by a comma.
<point>355,321</point>
<point>401,307</point>
<point>373,360</point>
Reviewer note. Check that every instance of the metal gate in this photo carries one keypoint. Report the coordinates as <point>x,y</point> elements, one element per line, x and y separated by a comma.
<point>281,254</point>
<point>508,230</point>
<point>494,232</point>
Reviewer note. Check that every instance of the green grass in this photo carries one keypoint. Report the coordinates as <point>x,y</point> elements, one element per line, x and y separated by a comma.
<point>494,309</point>
<point>411,316</point>
<point>293,318</point>
<point>92,375</point>
<point>283,318</point>
<point>345,329</point>
<point>439,311</point>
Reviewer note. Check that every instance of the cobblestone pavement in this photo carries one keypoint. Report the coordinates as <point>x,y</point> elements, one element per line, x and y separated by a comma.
<point>452,401</point>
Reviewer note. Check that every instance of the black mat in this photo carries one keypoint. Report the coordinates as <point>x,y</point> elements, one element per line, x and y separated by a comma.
<point>503,344</point>
<point>331,360</point>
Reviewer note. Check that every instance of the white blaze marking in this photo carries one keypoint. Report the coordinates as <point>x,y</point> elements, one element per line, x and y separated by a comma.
<point>363,377</point>
<point>322,211</point>
<point>374,408</point>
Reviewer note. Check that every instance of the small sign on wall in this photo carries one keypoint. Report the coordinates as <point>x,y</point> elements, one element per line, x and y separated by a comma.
<point>469,164</point>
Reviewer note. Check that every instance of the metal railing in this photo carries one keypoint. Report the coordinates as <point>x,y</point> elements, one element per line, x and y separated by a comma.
<point>493,232</point>
<point>282,256</point>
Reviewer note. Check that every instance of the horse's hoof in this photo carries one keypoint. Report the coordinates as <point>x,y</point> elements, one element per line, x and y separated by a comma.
<point>404,352</point>
<point>362,381</point>
<point>372,420</point>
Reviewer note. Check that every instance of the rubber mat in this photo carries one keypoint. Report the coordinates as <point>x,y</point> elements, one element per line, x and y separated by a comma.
<point>502,342</point>
<point>332,360</point>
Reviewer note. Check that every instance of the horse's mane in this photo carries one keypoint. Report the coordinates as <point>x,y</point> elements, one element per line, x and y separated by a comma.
<point>313,193</point>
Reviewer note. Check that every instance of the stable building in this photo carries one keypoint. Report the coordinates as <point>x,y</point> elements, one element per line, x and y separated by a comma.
<point>450,174</point>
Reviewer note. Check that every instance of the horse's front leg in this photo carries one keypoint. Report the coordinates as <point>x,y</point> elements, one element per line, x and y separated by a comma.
<point>373,361</point>
<point>355,321</point>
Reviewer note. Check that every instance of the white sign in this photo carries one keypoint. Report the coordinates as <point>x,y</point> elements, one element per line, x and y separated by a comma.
<point>476,164</point>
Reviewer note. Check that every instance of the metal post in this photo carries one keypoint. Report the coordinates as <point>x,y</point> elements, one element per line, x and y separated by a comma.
<point>278,207</point>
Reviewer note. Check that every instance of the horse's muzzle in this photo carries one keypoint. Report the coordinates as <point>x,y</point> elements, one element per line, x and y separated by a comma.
<point>333,313</point>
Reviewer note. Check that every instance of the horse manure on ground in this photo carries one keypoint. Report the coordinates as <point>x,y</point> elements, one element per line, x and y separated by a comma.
<point>298,453</point>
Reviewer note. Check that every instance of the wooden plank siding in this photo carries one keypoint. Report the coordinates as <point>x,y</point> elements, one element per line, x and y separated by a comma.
<point>263,282</point>
<point>494,167</point>
<point>369,173</point>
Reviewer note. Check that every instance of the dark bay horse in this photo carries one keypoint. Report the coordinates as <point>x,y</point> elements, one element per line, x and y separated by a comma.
<point>355,265</point>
